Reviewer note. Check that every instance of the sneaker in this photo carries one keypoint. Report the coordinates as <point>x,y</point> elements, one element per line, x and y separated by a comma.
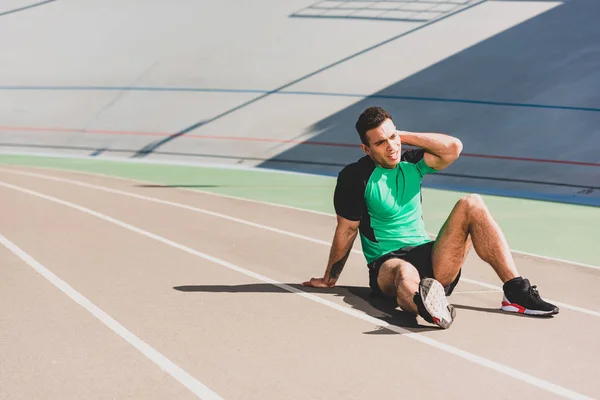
<point>521,297</point>
<point>433,299</point>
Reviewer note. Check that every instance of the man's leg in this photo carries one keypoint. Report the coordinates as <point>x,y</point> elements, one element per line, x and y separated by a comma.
<point>470,220</point>
<point>400,279</point>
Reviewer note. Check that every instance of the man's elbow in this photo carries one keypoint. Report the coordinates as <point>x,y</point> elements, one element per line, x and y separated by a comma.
<point>454,149</point>
<point>450,154</point>
<point>347,226</point>
<point>351,229</point>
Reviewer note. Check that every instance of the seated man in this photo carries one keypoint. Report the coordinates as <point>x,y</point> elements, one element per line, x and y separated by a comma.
<point>380,197</point>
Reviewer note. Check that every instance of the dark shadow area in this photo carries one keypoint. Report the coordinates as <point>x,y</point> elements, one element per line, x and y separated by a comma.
<point>26,7</point>
<point>552,59</point>
<point>360,298</point>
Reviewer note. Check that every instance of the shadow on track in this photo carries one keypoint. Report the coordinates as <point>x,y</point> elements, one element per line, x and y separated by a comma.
<point>360,298</point>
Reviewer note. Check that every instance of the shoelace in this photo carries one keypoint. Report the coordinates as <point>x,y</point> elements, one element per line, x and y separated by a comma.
<point>533,291</point>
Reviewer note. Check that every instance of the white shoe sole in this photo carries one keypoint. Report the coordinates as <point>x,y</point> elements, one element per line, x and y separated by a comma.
<point>435,302</point>
<point>515,308</point>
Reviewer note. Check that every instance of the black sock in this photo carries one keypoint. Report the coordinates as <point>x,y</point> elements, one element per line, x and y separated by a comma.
<point>422,311</point>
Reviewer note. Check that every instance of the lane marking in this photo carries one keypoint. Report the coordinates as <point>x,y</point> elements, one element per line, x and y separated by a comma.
<point>154,161</point>
<point>574,263</point>
<point>25,7</point>
<point>163,362</point>
<point>514,373</point>
<point>138,181</point>
<point>557,303</point>
<point>528,196</point>
<point>478,291</point>
<point>253,224</point>
<point>273,140</point>
<point>299,93</point>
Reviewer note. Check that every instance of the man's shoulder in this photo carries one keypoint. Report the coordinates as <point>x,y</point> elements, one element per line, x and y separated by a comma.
<point>358,169</point>
<point>412,156</point>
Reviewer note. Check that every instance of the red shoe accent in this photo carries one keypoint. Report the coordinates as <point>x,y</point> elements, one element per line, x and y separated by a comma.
<point>435,320</point>
<point>518,307</point>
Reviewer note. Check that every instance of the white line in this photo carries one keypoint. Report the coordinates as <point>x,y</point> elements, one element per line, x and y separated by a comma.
<point>575,263</point>
<point>522,376</point>
<point>137,181</point>
<point>160,161</point>
<point>169,203</point>
<point>477,291</point>
<point>253,224</point>
<point>558,303</point>
<point>163,362</point>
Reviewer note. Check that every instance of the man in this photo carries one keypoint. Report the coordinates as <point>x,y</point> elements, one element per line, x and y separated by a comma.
<point>380,197</point>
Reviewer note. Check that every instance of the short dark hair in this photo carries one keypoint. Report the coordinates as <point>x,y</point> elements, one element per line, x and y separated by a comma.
<point>371,118</point>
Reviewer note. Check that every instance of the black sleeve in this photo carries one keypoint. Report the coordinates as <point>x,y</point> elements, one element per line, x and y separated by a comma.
<point>413,156</point>
<point>349,195</point>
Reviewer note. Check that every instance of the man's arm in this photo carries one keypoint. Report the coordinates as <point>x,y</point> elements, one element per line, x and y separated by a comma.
<point>440,150</point>
<point>345,233</point>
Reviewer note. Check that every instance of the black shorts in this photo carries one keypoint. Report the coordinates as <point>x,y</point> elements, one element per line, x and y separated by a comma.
<point>419,256</point>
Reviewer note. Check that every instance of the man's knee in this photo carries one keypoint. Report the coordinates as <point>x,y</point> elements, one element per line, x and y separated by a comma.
<point>473,202</point>
<point>396,273</point>
<point>406,274</point>
<point>447,279</point>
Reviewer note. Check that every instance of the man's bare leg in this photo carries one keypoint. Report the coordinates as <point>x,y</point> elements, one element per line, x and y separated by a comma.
<point>400,279</point>
<point>471,220</point>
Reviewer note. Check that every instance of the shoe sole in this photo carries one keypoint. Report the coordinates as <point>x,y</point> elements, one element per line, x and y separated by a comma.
<point>435,302</point>
<point>515,308</point>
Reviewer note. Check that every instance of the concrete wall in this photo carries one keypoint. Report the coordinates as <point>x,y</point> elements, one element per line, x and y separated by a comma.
<point>255,84</point>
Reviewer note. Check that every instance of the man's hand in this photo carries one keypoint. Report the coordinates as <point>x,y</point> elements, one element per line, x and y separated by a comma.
<point>440,150</point>
<point>345,233</point>
<point>318,283</point>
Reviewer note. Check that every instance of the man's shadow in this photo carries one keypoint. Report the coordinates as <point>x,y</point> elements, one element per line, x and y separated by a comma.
<point>360,298</point>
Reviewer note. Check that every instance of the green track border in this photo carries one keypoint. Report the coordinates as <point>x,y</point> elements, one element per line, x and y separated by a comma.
<point>556,230</point>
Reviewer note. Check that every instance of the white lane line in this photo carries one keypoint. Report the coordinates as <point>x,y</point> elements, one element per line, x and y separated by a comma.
<point>575,263</point>
<point>154,161</point>
<point>138,181</point>
<point>514,373</point>
<point>256,225</point>
<point>477,291</point>
<point>163,362</point>
<point>557,303</point>
<point>560,260</point>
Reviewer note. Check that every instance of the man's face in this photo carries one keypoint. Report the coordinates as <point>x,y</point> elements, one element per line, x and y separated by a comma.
<point>384,145</point>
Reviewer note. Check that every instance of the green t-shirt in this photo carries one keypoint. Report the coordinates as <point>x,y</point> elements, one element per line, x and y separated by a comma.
<point>387,202</point>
